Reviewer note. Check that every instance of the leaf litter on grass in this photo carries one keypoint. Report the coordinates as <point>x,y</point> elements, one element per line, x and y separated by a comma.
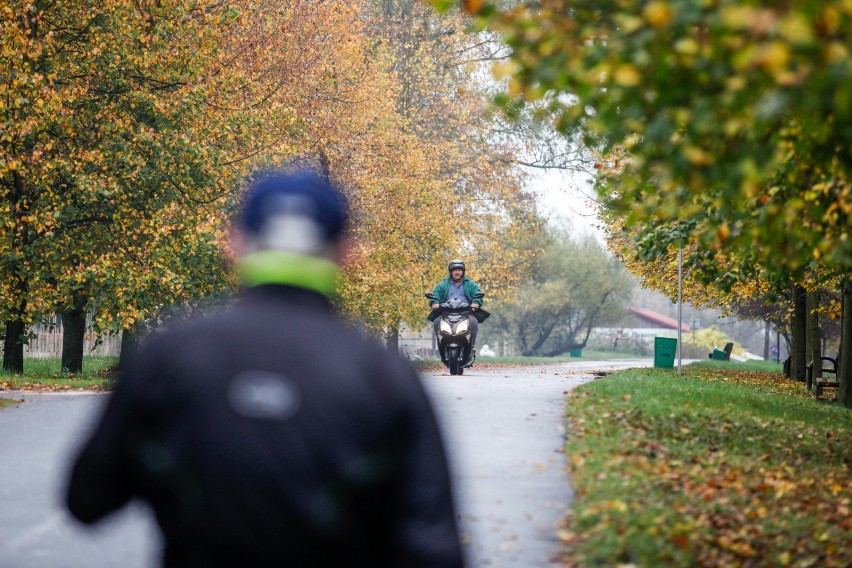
<point>716,468</point>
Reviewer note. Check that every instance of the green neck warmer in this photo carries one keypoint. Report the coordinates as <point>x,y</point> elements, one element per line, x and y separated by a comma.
<point>276,267</point>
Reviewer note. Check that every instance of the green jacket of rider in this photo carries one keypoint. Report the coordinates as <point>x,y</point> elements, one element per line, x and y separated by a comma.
<point>470,287</point>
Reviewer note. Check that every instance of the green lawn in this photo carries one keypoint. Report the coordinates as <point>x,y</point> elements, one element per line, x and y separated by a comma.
<point>45,374</point>
<point>754,365</point>
<point>719,467</point>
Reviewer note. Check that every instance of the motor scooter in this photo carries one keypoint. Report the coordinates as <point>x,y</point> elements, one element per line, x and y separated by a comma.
<point>454,333</point>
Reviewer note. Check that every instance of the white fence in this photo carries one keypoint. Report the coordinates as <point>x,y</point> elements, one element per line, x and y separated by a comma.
<point>417,344</point>
<point>46,341</point>
<point>420,344</point>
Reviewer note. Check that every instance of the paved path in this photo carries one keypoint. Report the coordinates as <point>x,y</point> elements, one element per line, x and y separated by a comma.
<point>37,439</point>
<point>504,433</point>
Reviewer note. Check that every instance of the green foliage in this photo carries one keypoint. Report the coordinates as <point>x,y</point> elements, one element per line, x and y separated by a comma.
<point>732,115</point>
<point>723,125</point>
<point>573,285</point>
<point>109,178</point>
<point>718,467</point>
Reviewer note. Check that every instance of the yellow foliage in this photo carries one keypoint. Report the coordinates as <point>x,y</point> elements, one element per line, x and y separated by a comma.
<point>710,338</point>
<point>121,147</point>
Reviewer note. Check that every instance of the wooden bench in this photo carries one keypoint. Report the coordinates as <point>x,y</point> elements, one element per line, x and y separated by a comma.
<point>817,384</point>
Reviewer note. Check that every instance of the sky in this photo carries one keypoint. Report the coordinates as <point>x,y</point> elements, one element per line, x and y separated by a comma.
<point>566,197</point>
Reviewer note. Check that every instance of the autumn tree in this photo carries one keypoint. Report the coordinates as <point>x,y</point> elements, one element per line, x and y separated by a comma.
<point>394,116</point>
<point>127,125</point>
<point>733,115</point>
<point>730,281</point>
<point>574,286</point>
<point>478,197</point>
<point>32,100</point>
<point>107,172</point>
<point>334,110</point>
<point>163,114</point>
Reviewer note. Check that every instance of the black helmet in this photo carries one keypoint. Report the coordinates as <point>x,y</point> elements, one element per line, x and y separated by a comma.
<point>455,264</point>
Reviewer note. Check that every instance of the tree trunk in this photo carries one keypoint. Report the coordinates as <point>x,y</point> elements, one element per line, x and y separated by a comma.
<point>13,346</point>
<point>542,337</point>
<point>325,166</point>
<point>814,335</point>
<point>73,339</point>
<point>16,326</point>
<point>844,358</point>
<point>786,335</point>
<point>392,339</point>
<point>130,339</point>
<point>798,349</point>
<point>571,343</point>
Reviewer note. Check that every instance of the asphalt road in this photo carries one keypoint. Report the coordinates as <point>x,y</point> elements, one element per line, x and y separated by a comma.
<point>37,440</point>
<point>504,434</point>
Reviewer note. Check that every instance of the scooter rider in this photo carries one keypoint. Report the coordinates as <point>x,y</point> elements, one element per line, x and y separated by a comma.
<point>457,285</point>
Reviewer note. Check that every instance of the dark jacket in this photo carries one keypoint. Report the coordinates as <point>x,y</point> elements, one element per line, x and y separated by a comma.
<point>272,435</point>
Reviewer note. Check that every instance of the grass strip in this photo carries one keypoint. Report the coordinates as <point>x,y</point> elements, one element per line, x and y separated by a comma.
<point>718,467</point>
<point>520,360</point>
<point>46,375</point>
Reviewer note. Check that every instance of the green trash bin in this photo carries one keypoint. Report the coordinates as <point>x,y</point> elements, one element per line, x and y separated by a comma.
<point>718,355</point>
<point>664,352</point>
<point>575,353</point>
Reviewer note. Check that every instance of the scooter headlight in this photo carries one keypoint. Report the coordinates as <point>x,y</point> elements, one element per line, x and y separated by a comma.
<point>446,328</point>
<point>464,327</point>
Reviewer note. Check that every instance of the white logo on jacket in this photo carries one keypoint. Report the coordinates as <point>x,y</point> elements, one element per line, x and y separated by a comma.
<point>263,394</point>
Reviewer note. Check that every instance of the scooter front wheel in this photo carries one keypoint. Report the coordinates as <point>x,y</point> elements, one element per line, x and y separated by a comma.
<point>453,361</point>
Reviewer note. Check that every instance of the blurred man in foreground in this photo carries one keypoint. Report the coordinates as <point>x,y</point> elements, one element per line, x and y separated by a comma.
<point>273,434</point>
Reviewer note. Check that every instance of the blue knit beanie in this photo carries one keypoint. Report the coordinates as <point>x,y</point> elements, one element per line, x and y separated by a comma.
<point>302,196</point>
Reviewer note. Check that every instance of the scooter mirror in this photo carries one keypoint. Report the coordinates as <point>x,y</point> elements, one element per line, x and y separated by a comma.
<point>431,296</point>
